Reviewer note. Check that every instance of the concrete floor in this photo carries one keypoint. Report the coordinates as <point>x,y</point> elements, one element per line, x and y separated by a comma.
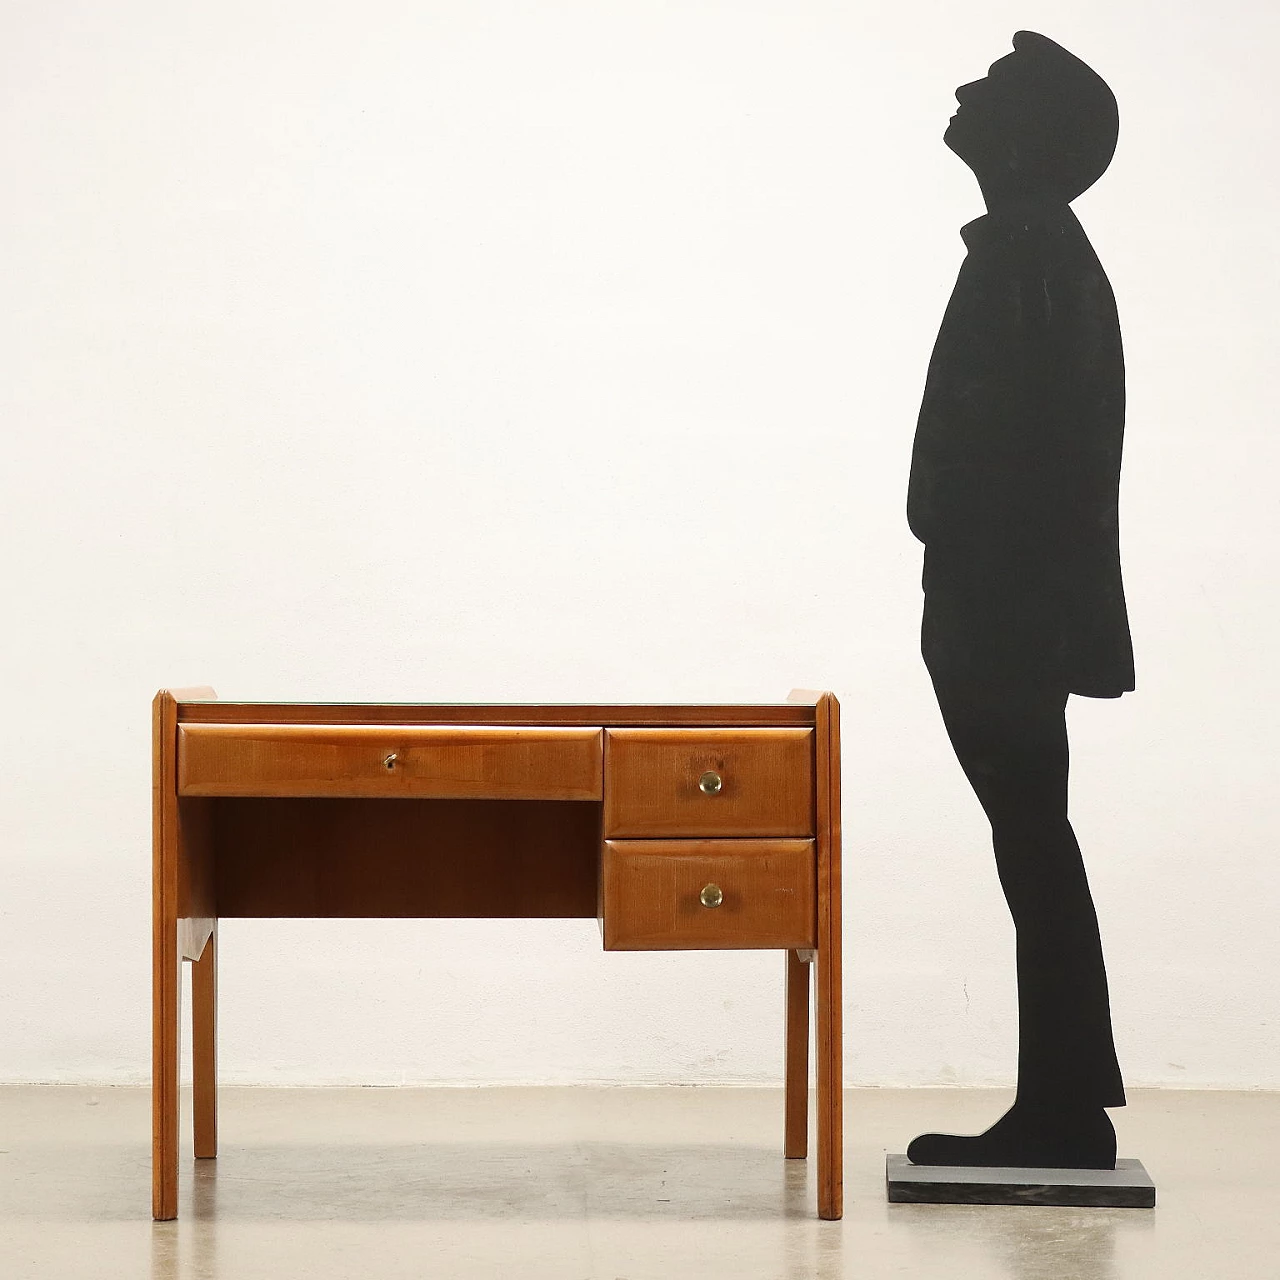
<point>600,1184</point>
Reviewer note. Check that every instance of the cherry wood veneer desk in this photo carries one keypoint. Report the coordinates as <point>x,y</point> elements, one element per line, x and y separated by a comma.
<point>676,827</point>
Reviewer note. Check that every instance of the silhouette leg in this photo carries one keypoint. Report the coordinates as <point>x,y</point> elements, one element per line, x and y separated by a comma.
<point>1011,741</point>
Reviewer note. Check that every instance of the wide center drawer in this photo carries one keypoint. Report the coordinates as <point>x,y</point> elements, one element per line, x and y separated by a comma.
<point>443,762</point>
<point>666,895</point>
<point>708,782</point>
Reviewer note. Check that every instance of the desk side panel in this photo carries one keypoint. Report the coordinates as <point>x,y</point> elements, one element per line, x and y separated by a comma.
<point>828,983</point>
<point>334,858</point>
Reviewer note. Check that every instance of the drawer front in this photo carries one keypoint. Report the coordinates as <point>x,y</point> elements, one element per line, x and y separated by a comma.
<point>457,762</point>
<point>708,782</point>
<point>670,895</point>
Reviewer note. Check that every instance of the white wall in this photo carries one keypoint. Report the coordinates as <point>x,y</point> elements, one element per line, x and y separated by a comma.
<point>572,351</point>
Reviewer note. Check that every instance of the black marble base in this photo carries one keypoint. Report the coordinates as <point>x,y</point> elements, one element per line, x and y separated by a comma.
<point>1127,1186</point>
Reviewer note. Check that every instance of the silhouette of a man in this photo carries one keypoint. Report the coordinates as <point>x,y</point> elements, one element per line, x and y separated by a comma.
<point>1013,492</point>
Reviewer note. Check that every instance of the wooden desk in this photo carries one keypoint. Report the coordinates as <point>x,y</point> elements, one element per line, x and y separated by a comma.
<point>676,827</point>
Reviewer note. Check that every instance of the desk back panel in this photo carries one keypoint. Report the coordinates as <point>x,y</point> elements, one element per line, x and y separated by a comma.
<point>406,858</point>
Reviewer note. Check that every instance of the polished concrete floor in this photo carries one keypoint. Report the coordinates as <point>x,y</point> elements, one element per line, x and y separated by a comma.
<point>600,1184</point>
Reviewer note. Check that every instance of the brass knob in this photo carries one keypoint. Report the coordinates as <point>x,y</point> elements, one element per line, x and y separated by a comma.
<point>711,896</point>
<point>390,761</point>
<point>710,783</point>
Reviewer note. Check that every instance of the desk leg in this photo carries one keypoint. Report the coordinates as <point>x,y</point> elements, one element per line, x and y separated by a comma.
<point>795,1144</point>
<point>830,1093</point>
<point>166,1012</point>
<point>204,1046</point>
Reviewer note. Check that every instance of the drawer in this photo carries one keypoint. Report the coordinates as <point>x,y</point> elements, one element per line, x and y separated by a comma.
<point>469,762</point>
<point>669,895</point>
<point>708,782</point>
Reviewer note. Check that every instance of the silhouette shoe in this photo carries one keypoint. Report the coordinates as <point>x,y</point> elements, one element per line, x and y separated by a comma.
<point>1027,1138</point>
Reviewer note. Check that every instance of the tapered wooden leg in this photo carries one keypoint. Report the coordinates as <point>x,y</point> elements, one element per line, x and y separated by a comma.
<point>796,1138</point>
<point>830,1101</point>
<point>204,1048</point>
<point>166,1009</point>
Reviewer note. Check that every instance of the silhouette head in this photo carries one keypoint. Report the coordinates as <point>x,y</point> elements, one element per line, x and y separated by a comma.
<point>1041,126</point>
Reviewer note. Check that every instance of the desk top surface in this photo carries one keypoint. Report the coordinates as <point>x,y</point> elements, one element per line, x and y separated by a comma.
<point>217,711</point>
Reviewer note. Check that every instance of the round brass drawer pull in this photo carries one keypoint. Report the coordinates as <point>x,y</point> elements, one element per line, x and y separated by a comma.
<point>710,783</point>
<point>390,761</point>
<point>711,896</point>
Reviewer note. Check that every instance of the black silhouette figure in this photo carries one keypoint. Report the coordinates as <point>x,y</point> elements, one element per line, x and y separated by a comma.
<point>1014,483</point>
